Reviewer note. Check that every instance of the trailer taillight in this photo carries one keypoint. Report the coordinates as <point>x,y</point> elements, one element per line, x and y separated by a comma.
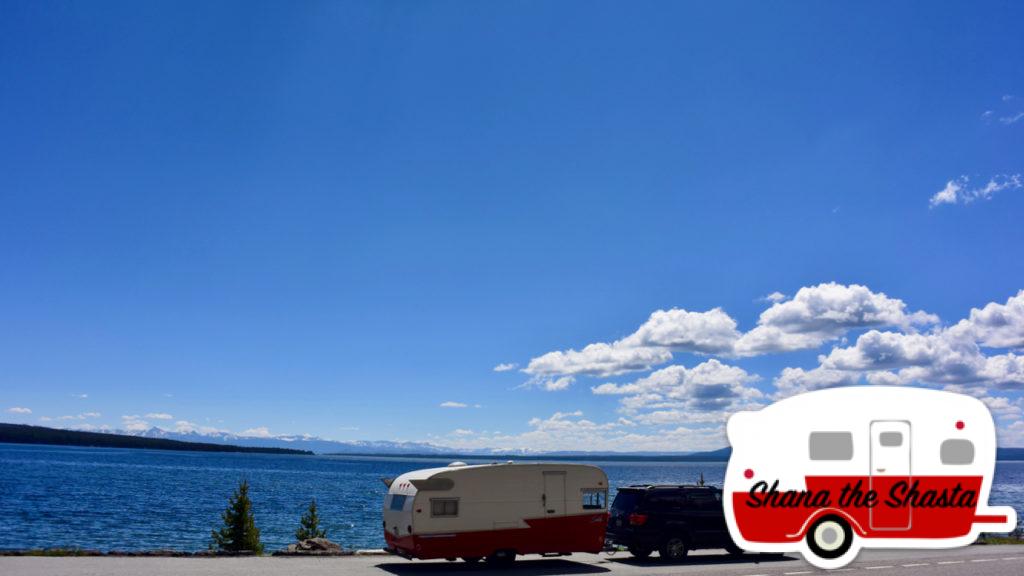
<point>959,424</point>
<point>637,519</point>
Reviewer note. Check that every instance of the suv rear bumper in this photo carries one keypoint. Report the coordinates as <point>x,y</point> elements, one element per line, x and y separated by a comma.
<point>635,538</point>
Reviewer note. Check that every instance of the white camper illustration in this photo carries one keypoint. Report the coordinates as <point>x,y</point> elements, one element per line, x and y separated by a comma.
<point>827,473</point>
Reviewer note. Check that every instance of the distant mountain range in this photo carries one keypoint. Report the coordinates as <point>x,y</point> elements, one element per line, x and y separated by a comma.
<point>25,434</point>
<point>426,449</point>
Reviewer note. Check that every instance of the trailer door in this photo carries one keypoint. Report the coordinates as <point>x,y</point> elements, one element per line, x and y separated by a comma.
<point>890,463</point>
<point>554,493</point>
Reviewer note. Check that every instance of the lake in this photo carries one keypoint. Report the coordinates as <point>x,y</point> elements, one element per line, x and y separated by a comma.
<point>122,499</point>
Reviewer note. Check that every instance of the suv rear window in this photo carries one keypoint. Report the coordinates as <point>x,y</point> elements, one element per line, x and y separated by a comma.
<point>626,500</point>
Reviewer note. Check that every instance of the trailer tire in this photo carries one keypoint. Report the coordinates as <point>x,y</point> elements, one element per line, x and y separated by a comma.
<point>674,548</point>
<point>734,550</point>
<point>830,537</point>
<point>639,552</point>
<point>502,557</point>
<point>471,559</point>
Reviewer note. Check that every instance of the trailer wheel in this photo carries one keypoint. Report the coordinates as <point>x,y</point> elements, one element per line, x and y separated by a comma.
<point>674,548</point>
<point>502,557</point>
<point>639,552</point>
<point>830,537</point>
<point>471,559</point>
<point>734,549</point>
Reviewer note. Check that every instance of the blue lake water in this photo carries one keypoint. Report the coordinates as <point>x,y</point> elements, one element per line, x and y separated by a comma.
<point>120,499</point>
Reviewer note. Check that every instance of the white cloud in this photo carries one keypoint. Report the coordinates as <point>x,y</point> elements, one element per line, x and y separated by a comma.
<point>134,423</point>
<point>949,356</point>
<point>80,396</point>
<point>598,359</point>
<point>957,191</point>
<point>817,314</point>
<point>796,380</point>
<point>571,431</point>
<point>19,410</point>
<point>82,416</point>
<point>1000,325</point>
<point>711,332</point>
<point>258,432</point>
<point>676,394</point>
<point>1012,118</point>
<point>450,404</point>
<point>186,427</point>
<point>159,416</point>
<point>506,367</point>
<point>775,297</point>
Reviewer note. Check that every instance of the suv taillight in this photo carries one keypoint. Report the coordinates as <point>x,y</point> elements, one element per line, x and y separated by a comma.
<point>637,519</point>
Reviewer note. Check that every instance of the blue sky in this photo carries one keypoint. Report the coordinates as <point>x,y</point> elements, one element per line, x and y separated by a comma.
<point>332,217</point>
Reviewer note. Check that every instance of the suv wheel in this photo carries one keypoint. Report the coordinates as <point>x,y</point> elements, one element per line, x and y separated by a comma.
<point>830,537</point>
<point>639,552</point>
<point>674,548</point>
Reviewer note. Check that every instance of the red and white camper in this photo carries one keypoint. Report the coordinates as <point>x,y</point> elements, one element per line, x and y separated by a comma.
<point>496,511</point>
<point>802,472</point>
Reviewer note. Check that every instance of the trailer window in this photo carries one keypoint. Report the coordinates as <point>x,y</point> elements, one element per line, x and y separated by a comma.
<point>397,501</point>
<point>444,507</point>
<point>957,452</point>
<point>831,446</point>
<point>594,499</point>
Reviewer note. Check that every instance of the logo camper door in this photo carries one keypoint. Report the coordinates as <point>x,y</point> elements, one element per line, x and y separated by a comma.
<point>890,463</point>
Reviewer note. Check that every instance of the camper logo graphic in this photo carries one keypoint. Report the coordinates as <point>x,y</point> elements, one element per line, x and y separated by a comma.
<point>827,473</point>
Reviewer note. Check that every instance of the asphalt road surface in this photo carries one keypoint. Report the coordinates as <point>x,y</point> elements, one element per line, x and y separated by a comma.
<point>975,560</point>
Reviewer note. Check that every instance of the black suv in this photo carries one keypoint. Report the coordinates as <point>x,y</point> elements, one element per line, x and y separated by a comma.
<point>670,519</point>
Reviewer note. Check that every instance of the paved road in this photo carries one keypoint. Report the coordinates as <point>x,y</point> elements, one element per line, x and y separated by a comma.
<point>976,560</point>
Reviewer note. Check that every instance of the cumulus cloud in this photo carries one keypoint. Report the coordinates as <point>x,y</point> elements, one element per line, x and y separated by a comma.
<point>598,359</point>
<point>817,314</point>
<point>1000,325</point>
<point>159,416</point>
<point>797,380</point>
<point>774,297</point>
<point>711,332</point>
<point>949,356</point>
<point>450,404</point>
<point>958,191</point>
<point>19,410</point>
<point>506,367</point>
<point>676,394</point>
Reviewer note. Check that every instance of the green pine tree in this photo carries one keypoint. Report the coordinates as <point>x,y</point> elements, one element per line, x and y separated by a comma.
<point>309,526</point>
<point>239,532</point>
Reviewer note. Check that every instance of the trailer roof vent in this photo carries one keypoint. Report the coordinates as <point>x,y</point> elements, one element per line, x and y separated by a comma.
<point>456,464</point>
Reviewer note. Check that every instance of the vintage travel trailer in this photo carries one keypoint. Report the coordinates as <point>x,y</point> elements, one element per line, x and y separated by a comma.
<point>496,511</point>
<point>802,472</point>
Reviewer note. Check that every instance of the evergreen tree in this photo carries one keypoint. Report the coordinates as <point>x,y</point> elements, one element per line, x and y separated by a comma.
<point>239,532</point>
<point>309,526</point>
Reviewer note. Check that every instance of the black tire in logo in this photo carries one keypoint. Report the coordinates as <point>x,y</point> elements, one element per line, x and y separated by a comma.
<point>830,537</point>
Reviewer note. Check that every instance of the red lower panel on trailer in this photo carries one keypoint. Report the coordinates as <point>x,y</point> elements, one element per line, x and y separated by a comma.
<point>579,533</point>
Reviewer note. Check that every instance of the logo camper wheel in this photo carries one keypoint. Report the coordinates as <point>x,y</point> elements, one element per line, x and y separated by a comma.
<point>830,537</point>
